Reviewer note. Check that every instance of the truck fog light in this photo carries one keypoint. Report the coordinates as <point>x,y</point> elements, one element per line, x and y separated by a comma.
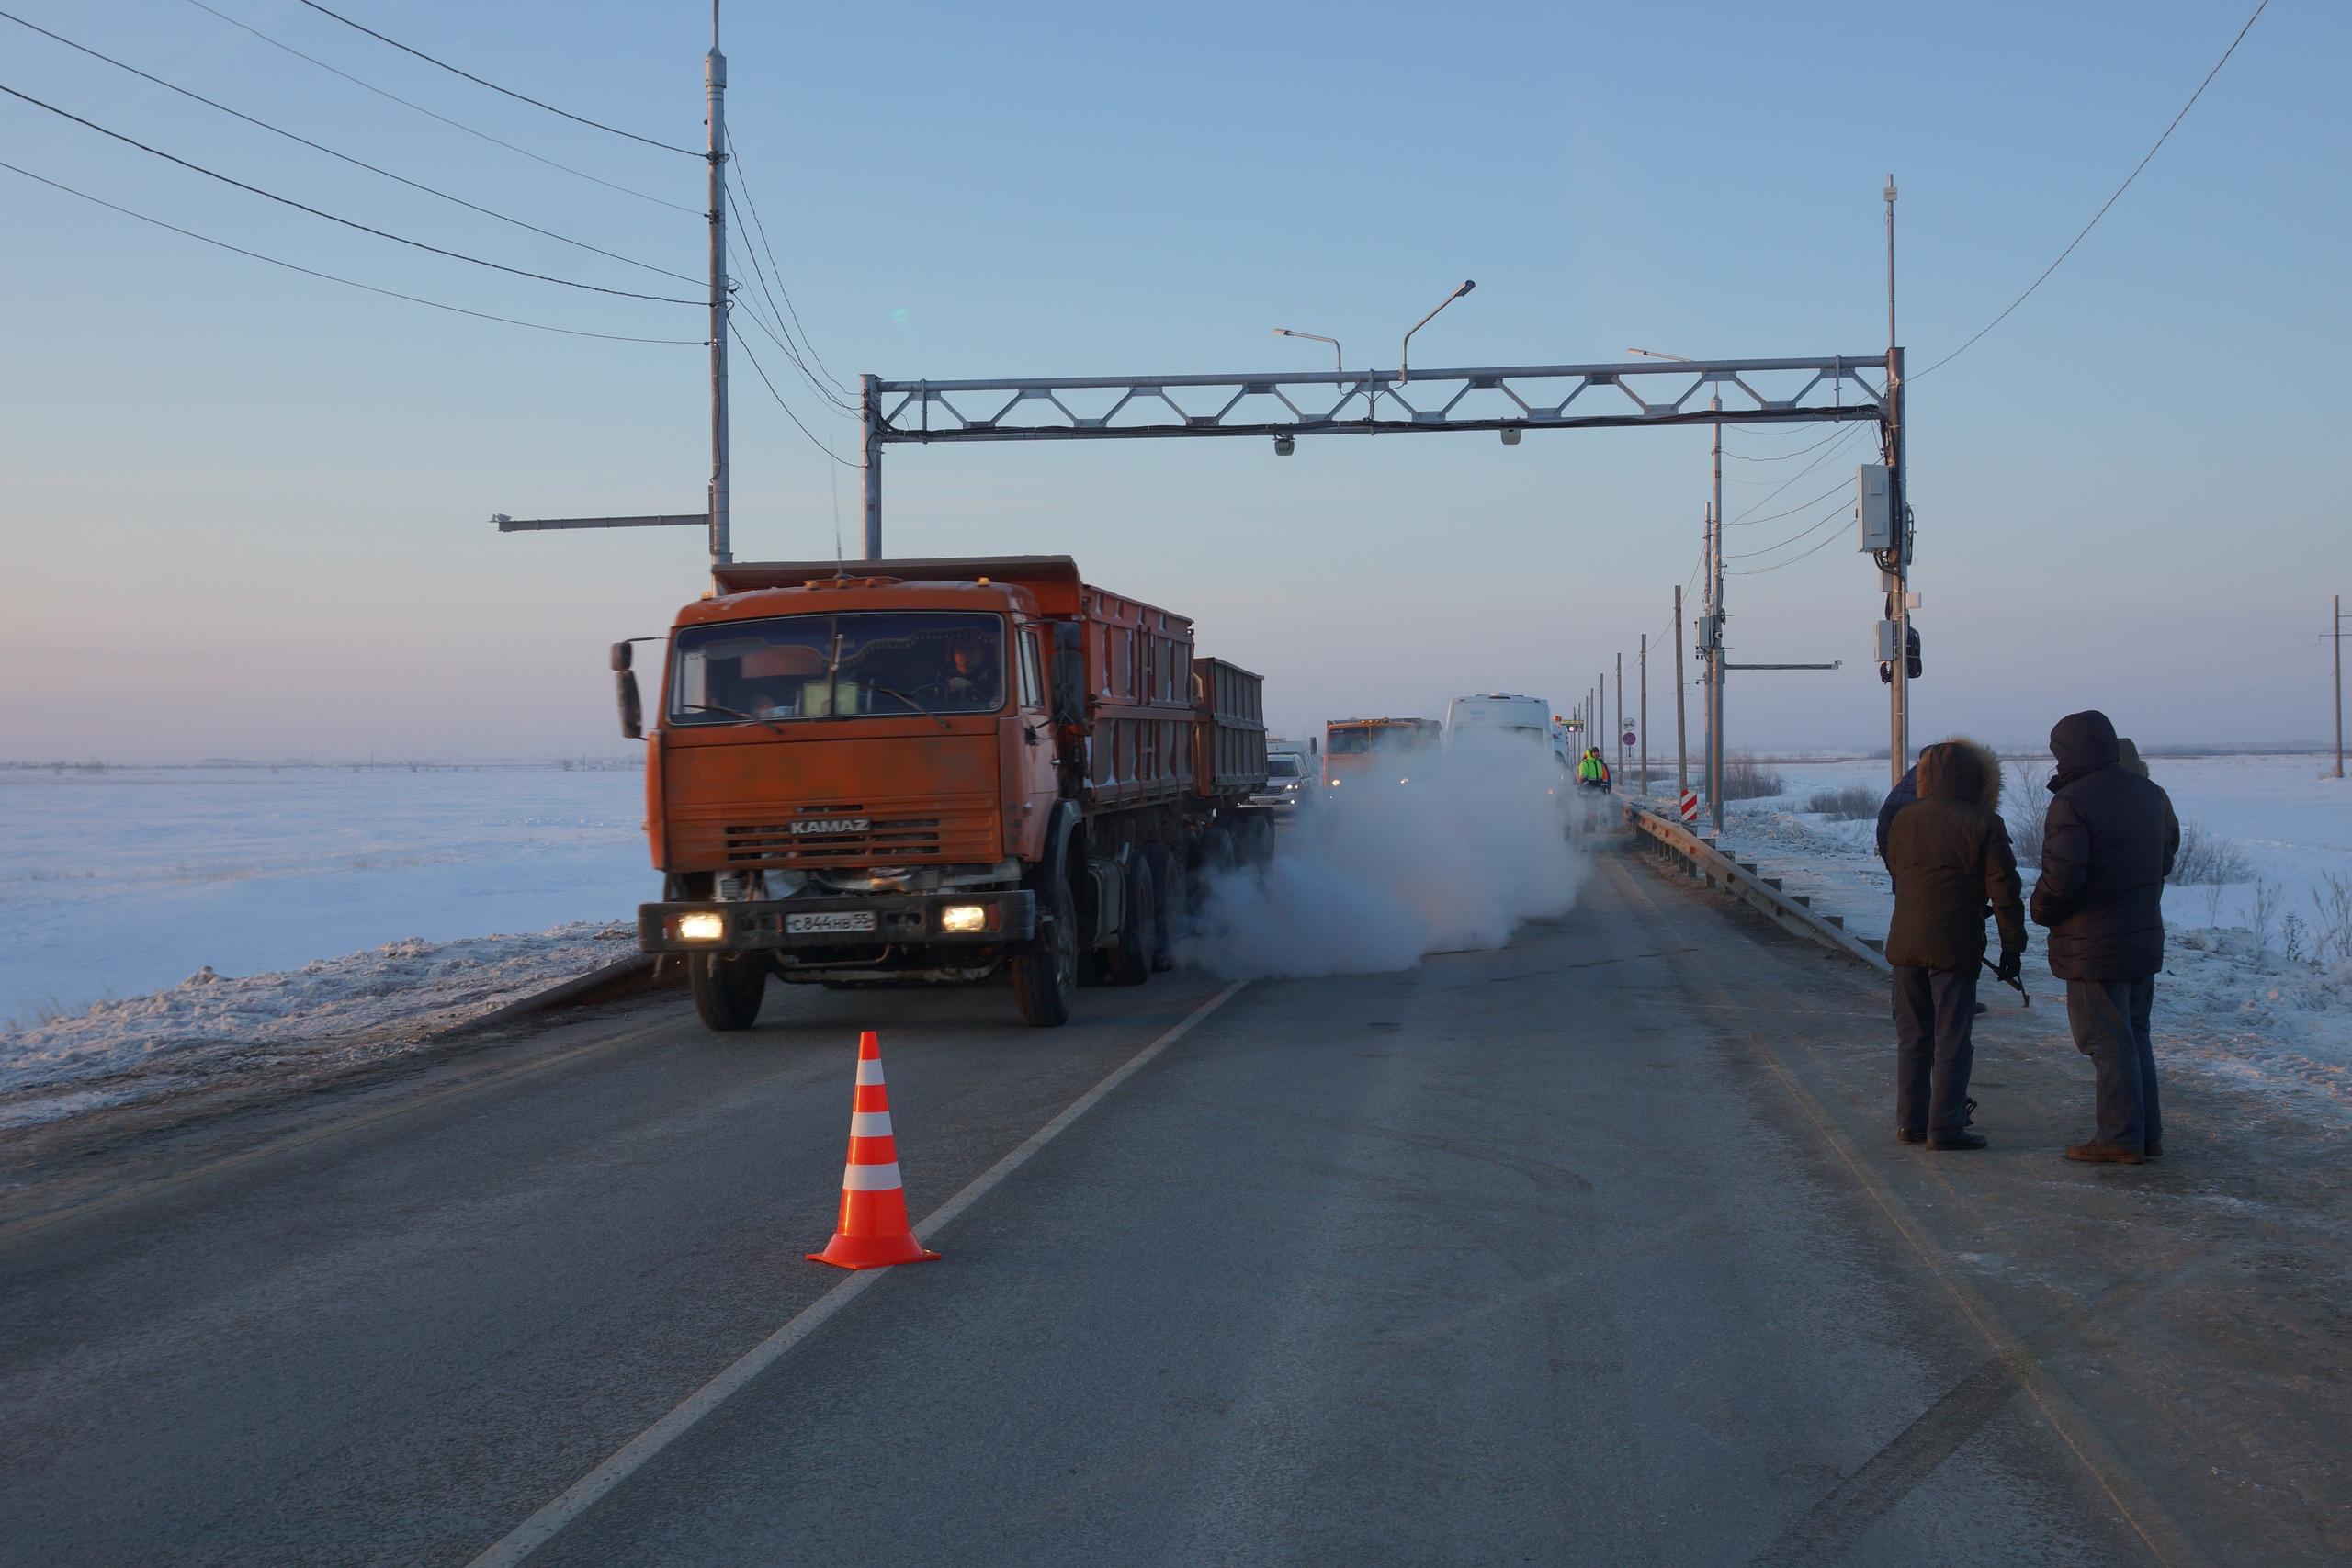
<point>964,917</point>
<point>701,927</point>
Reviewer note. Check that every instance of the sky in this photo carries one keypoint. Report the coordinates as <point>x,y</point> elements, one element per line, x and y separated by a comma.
<point>245,511</point>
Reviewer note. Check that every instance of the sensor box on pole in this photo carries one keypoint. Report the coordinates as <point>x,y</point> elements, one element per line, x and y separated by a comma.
<point>1873,508</point>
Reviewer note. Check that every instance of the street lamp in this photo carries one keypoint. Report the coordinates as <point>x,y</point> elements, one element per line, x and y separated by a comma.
<point>1403,373</point>
<point>1654,354</point>
<point>1336,363</point>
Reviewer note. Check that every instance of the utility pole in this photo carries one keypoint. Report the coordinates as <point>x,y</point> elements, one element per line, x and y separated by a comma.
<point>869,409</point>
<point>1716,630</point>
<point>714,77</point>
<point>1617,736</point>
<point>1898,741</point>
<point>2337,629</point>
<point>1681,741</point>
<point>1645,730</point>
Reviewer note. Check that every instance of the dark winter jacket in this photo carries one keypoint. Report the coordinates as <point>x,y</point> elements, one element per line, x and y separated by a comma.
<point>1950,856</point>
<point>2127,757</point>
<point>2107,847</point>
<point>1905,792</point>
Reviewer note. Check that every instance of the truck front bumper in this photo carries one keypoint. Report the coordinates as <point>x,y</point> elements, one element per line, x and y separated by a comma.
<point>856,921</point>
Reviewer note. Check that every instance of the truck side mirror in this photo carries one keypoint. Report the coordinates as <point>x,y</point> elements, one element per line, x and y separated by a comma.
<point>620,656</point>
<point>632,705</point>
<point>1069,672</point>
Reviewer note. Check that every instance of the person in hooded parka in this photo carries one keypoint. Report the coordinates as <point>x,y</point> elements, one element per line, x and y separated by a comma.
<point>1952,865</point>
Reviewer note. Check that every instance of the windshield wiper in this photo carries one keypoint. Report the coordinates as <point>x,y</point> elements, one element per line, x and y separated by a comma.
<point>893,692</point>
<point>733,712</point>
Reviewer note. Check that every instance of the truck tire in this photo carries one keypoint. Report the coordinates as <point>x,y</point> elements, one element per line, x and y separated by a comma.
<point>1130,961</point>
<point>1258,841</point>
<point>1212,856</point>
<point>1164,884</point>
<point>727,988</point>
<point>1044,978</point>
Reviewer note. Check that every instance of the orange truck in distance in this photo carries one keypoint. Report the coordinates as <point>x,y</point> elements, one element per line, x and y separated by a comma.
<point>1368,748</point>
<point>934,771</point>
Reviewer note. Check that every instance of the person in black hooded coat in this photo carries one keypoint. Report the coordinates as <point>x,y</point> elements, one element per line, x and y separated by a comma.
<point>1950,854</point>
<point>2106,846</point>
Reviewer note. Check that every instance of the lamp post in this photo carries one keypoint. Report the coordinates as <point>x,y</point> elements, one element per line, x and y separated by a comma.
<point>1404,349</point>
<point>1337,363</point>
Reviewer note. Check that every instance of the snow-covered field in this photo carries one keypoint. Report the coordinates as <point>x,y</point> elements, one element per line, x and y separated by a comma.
<point>2246,995</point>
<point>157,922</point>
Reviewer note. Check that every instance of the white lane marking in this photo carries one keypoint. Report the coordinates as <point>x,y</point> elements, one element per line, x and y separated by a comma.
<point>871,1177</point>
<point>583,1494</point>
<point>870,1123</point>
<point>869,1072</point>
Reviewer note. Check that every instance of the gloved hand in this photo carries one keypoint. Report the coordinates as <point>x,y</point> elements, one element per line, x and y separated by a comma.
<point>2011,966</point>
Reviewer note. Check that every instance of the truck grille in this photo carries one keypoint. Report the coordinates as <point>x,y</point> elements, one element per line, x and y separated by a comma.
<point>938,833</point>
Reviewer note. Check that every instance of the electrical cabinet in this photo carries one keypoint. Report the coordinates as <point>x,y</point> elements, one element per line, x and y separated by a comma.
<point>1873,509</point>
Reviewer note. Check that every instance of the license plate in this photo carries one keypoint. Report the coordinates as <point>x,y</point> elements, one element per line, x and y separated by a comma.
<point>832,825</point>
<point>831,921</point>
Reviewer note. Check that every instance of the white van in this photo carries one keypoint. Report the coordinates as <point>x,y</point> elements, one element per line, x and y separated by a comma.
<point>1499,713</point>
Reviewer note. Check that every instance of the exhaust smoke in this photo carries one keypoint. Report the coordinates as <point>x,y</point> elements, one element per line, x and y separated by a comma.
<point>1376,874</point>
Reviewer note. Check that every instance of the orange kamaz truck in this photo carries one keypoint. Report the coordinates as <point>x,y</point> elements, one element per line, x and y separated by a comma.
<point>934,771</point>
<point>1370,749</point>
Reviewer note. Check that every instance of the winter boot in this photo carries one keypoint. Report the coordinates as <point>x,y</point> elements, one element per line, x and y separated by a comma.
<point>2104,1154</point>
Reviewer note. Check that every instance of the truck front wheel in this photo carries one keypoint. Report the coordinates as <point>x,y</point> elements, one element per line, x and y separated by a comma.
<point>1044,978</point>
<point>727,988</point>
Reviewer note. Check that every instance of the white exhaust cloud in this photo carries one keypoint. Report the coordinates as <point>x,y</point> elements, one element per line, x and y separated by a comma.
<point>1378,875</point>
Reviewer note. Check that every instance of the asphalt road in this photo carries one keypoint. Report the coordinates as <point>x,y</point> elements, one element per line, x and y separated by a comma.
<point>1596,1248</point>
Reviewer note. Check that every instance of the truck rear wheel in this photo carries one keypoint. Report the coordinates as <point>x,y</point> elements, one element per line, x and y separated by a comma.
<point>1130,958</point>
<point>1044,978</point>
<point>1165,884</point>
<point>727,987</point>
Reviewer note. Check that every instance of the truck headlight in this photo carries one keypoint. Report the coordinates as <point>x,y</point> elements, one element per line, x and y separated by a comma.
<point>964,917</point>
<point>701,927</point>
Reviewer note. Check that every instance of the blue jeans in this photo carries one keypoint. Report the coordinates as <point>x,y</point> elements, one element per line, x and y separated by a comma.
<point>1935,1019</point>
<point>2110,1019</point>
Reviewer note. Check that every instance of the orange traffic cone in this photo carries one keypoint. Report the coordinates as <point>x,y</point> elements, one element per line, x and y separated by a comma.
<point>873,1230</point>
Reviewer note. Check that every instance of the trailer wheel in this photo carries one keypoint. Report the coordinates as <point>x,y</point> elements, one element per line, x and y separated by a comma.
<point>1044,978</point>
<point>1129,960</point>
<point>1164,884</point>
<point>727,987</point>
<point>1212,853</point>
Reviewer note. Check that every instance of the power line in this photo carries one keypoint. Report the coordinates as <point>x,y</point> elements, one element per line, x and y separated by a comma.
<point>1760,570</point>
<point>330,278</point>
<point>778,335</point>
<point>1742,521</point>
<point>431,113</point>
<point>832,404</point>
<point>1792,511</point>
<point>346,222</point>
<point>1767,549</point>
<point>774,266</point>
<point>1783,456</point>
<point>356,162</point>
<point>795,418</point>
<point>484,82</point>
<point>2111,200</point>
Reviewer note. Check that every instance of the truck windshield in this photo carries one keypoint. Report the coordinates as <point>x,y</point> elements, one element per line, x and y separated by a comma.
<point>867,664</point>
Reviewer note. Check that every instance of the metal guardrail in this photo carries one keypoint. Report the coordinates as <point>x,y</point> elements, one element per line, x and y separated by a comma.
<point>1790,911</point>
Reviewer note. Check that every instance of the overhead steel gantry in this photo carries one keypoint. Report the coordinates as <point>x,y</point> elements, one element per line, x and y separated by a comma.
<point>1512,399</point>
<point>1286,405</point>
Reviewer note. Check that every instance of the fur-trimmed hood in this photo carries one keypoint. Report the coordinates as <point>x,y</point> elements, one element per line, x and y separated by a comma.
<point>1960,768</point>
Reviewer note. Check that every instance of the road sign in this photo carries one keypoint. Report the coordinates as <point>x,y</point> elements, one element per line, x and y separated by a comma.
<point>1629,738</point>
<point>1690,806</point>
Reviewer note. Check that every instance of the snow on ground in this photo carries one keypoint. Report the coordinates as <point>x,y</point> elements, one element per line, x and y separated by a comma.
<point>2233,1001</point>
<point>163,927</point>
<point>328,1012</point>
<point>117,883</point>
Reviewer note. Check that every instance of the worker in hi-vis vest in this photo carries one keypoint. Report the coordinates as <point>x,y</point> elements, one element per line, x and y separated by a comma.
<point>1592,773</point>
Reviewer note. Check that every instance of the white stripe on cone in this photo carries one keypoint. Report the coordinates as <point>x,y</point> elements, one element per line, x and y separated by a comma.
<point>869,1072</point>
<point>871,1177</point>
<point>870,1123</point>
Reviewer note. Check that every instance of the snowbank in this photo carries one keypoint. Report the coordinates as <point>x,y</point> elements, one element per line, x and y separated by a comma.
<point>332,1010</point>
<point>2228,1004</point>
